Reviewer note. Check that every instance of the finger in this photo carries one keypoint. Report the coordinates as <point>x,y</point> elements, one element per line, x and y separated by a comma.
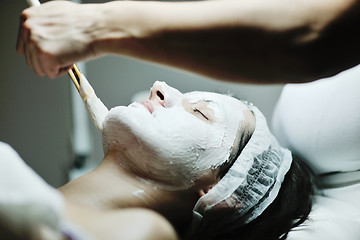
<point>48,64</point>
<point>25,45</point>
<point>20,41</point>
<point>64,70</point>
<point>35,60</point>
<point>28,55</point>
<point>22,33</point>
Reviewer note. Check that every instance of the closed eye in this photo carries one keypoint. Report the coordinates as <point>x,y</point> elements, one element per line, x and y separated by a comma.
<point>198,111</point>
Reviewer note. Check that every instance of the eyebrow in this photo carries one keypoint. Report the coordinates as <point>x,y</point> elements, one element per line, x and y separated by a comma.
<point>207,101</point>
<point>216,103</point>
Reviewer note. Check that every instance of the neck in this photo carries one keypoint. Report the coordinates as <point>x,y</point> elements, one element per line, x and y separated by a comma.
<point>112,187</point>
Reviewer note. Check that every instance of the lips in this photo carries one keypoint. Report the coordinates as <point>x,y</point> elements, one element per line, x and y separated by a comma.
<point>147,104</point>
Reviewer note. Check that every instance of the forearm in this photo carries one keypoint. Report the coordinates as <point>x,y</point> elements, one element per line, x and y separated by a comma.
<point>262,41</point>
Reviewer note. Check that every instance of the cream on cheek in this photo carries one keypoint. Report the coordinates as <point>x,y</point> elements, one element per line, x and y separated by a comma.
<point>167,149</point>
<point>172,148</point>
<point>228,115</point>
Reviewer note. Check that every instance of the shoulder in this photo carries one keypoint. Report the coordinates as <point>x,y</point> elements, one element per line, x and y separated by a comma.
<point>154,225</point>
<point>140,224</point>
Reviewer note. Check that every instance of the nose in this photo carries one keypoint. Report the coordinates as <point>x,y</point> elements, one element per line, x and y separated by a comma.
<point>165,95</point>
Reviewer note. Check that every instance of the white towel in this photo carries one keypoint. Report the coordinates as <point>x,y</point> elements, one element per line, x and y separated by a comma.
<point>28,204</point>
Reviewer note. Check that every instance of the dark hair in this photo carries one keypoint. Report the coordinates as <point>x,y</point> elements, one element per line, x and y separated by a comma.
<point>290,208</point>
<point>244,137</point>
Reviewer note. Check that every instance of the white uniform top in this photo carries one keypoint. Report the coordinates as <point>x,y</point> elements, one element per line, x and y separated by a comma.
<point>320,122</point>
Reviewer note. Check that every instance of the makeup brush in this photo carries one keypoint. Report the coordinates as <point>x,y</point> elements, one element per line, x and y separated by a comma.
<point>94,106</point>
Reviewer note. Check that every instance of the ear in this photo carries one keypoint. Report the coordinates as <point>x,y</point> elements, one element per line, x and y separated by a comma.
<point>205,190</point>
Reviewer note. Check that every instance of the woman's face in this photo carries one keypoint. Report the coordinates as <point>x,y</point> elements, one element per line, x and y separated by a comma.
<point>172,139</point>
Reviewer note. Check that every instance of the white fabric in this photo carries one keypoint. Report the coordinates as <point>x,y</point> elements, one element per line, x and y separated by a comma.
<point>320,121</point>
<point>25,199</point>
<point>250,185</point>
<point>28,202</point>
<point>336,215</point>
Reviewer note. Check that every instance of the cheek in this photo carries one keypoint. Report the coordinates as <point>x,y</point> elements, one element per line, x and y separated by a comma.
<point>217,149</point>
<point>122,125</point>
<point>189,147</point>
<point>176,150</point>
<point>171,149</point>
<point>180,132</point>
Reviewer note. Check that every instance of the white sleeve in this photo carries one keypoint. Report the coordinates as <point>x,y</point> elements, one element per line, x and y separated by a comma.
<point>320,122</point>
<point>26,200</point>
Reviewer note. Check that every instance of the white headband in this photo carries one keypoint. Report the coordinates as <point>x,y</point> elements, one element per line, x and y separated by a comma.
<point>249,187</point>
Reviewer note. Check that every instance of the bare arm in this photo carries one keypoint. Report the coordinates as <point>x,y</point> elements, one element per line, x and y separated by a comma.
<point>233,40</point>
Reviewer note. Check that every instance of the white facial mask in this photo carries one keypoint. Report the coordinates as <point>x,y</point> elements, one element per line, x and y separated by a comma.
<point>172,147</point>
